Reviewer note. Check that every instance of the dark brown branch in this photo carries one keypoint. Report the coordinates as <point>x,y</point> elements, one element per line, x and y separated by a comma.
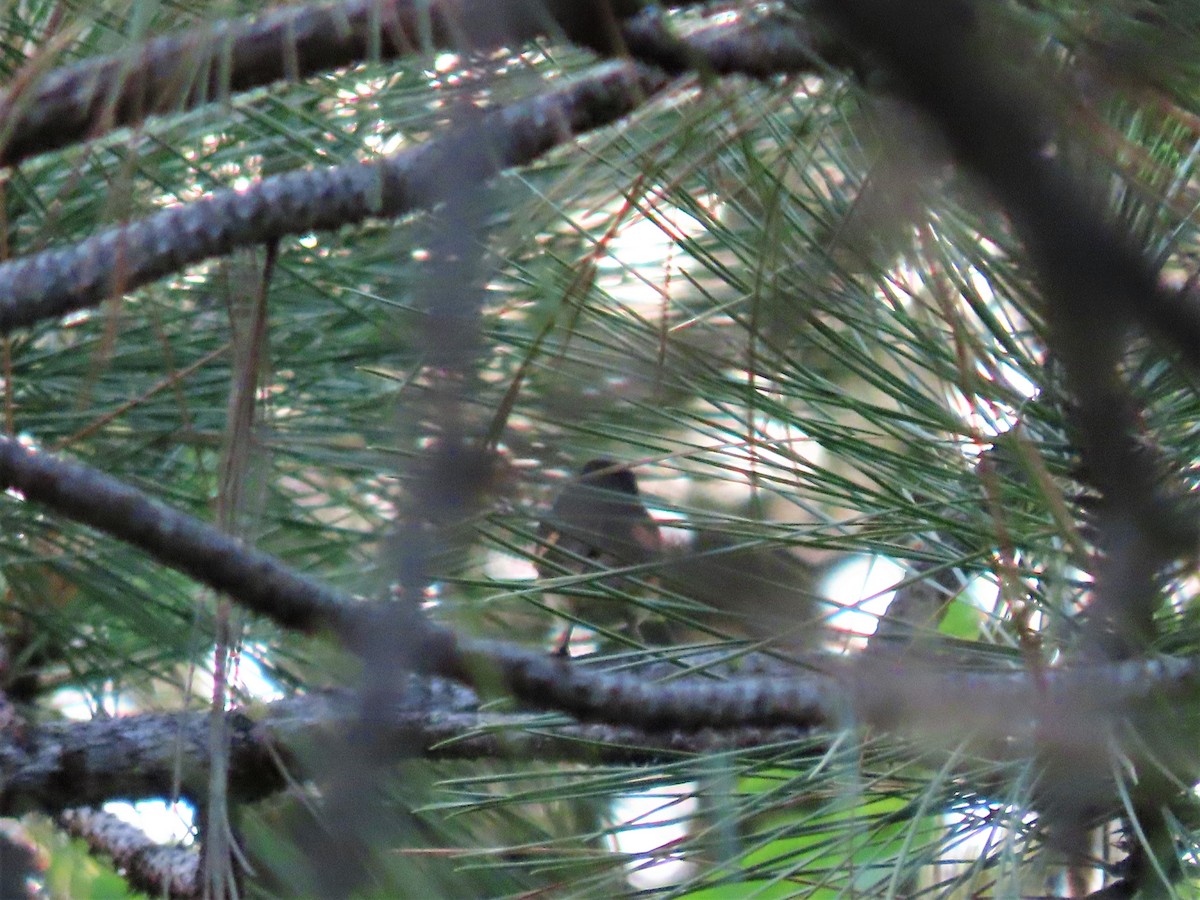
<point>446,727</point>
<point>183,71</point>
<point>256,580</point>
<point>804,700</point>
<point>55,282</point>
<point>262,584</point>
<point>1003,124</point>
<point>177,72</point>
<point>1016,710</point>
<point>121,259</point>
<point>760,47</point>
<point>57,765</point>
<point>63,764</point>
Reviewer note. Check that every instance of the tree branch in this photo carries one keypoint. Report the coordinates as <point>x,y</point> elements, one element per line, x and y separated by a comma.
<point>183,71</point>
<point>55,282</point>
<point>121,259</point>
<point>174,73</point>
<point>156,869</point>
<point>1011,713</point>
<point>57,765</point>
<point>256,580</point>
<point>757,45</point>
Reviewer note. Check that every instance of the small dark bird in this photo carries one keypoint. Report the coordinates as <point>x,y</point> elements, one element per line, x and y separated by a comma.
<point>747,588</point>
<point>598,523</point>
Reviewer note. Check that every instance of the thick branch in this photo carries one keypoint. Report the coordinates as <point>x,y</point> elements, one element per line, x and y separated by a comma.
<point>183,71</point>
<point>118,260</point>
<point>256,580</point>
<point>760,47</point>
<point>64,764</point>
<point>58,765</point>
<point>1004,125</point>
<point>56,282</point>
<point>1022,711</point>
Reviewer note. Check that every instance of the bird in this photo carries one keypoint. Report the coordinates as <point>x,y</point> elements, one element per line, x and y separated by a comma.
<point>746,588</point>
<point>598,523</point>
<point>727,584</point>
